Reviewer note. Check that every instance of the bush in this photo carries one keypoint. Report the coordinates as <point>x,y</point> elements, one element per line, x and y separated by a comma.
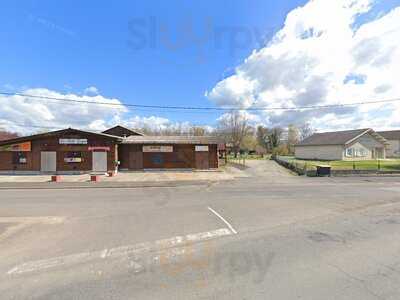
<point>281,150</point>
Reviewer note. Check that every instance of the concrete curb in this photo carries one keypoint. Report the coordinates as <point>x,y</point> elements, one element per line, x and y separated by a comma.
<point>100,185</point>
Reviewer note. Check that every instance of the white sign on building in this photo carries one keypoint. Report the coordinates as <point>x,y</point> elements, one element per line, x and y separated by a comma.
<point>201,148</point>
<point>155,148</point>
<point>73,141</point>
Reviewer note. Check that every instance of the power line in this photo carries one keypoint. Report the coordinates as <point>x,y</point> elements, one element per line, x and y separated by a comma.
<point>192,108</point>
<point>139,107</point>
<point>29,126</point>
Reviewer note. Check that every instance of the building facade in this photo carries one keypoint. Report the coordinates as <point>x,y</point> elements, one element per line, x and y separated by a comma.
<point>64,151</point>
<point>168,152</point>
<point>393,138</point>
<point>73,151</point>
<point>361,144</point>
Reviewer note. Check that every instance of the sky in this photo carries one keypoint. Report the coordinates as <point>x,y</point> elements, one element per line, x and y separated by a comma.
<point>236,53</point>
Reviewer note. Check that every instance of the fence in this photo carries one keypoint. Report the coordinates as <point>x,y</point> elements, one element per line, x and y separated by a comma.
<point>239,160</point>
<point>291,164</point>
<point>302,167</point>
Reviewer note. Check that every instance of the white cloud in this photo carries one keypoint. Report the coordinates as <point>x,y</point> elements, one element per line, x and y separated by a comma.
<point>156,124</point>
<point>244,115</point>
<point>91,91</point>
<point>323,55</point>
<point>26,115</point>
<point>17,113</point>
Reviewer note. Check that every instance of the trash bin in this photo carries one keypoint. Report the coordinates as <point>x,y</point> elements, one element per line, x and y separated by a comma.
<point>323,170</point>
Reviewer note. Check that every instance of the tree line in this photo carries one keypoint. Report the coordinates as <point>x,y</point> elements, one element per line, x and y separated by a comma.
<point>236,130</point>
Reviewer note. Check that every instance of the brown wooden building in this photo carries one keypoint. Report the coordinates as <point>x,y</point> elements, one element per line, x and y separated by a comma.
<point>63,151</point>
<point>168,152</point>
<point>77,151</point>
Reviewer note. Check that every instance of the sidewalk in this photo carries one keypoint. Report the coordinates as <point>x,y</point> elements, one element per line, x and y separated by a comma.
<point>122,179</point>
<point>98,185</point>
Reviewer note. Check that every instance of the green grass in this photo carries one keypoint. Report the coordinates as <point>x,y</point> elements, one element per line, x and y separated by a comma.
<point>385,164</point>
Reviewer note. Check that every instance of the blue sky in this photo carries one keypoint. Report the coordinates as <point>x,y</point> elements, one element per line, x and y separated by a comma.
<point>67,46</point>
<point>70,45</point>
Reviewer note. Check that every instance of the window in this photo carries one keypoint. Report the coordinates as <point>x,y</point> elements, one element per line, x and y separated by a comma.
<point>19,158</point>
<point>356,152</point>
<point>73,157</point>
<point>362,152</point>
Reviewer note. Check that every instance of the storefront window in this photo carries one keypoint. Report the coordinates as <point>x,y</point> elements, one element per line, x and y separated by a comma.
<point>19,158</point>
<point>73,157</point>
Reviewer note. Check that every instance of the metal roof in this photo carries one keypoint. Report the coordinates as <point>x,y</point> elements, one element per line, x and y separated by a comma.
<point>339,137</point>
<point>390,135</point>
<point>171,140</point>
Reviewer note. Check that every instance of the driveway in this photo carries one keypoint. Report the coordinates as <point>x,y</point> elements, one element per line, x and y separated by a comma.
<point>267,169</point>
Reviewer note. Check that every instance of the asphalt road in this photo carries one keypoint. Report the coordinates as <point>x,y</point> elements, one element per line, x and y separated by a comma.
<point>270,236</point>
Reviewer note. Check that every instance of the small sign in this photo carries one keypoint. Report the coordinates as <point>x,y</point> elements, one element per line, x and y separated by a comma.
<point>201,148</point>
<point>73,159</point>
<point>73,141</point>
<point>22,147</point>
<point>22,160</point>
<point>155,149</point>
<point>99,148</point>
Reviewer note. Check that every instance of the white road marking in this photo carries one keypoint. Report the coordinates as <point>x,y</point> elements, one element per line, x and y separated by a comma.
<point>125,251</point>
<point>223,220</point>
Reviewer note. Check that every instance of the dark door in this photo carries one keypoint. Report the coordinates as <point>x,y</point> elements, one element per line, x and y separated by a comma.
<point>202,161</point>
<point>136,160</point>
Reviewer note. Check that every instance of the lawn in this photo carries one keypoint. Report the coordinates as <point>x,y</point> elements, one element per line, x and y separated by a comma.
<point>384,164</point>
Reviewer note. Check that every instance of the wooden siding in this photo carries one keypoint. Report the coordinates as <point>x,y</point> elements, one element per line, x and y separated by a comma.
<point>52,144</point>
<point>182,157</point>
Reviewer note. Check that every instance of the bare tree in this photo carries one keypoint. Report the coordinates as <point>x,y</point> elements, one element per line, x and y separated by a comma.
<point>305,131</point>
<point>263,137</point>
<point>234,127</point>
<point>293,137</point>
<point>5,135</point>
<point>274,137</point>
<point>197,131</point>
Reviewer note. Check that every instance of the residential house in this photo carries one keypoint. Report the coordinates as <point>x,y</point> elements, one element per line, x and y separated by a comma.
<point>360,144</point>
<point>393,137</point>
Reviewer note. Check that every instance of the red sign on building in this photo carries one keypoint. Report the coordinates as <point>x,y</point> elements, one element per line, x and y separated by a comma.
<point>99,148</point>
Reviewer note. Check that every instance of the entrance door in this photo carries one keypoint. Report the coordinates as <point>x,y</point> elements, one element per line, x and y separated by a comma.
<point>202,161</point>
<point>136,160</point>
<point>100,162</point>
<point>48,161</point>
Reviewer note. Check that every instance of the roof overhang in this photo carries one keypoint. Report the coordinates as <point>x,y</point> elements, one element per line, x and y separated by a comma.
<point>374,134</point>
<point>59,132</point>
<point>168,140</point>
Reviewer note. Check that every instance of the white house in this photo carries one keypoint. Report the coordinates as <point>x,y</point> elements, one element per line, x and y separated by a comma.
<point>393,137</point>
<point>362,144</point>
